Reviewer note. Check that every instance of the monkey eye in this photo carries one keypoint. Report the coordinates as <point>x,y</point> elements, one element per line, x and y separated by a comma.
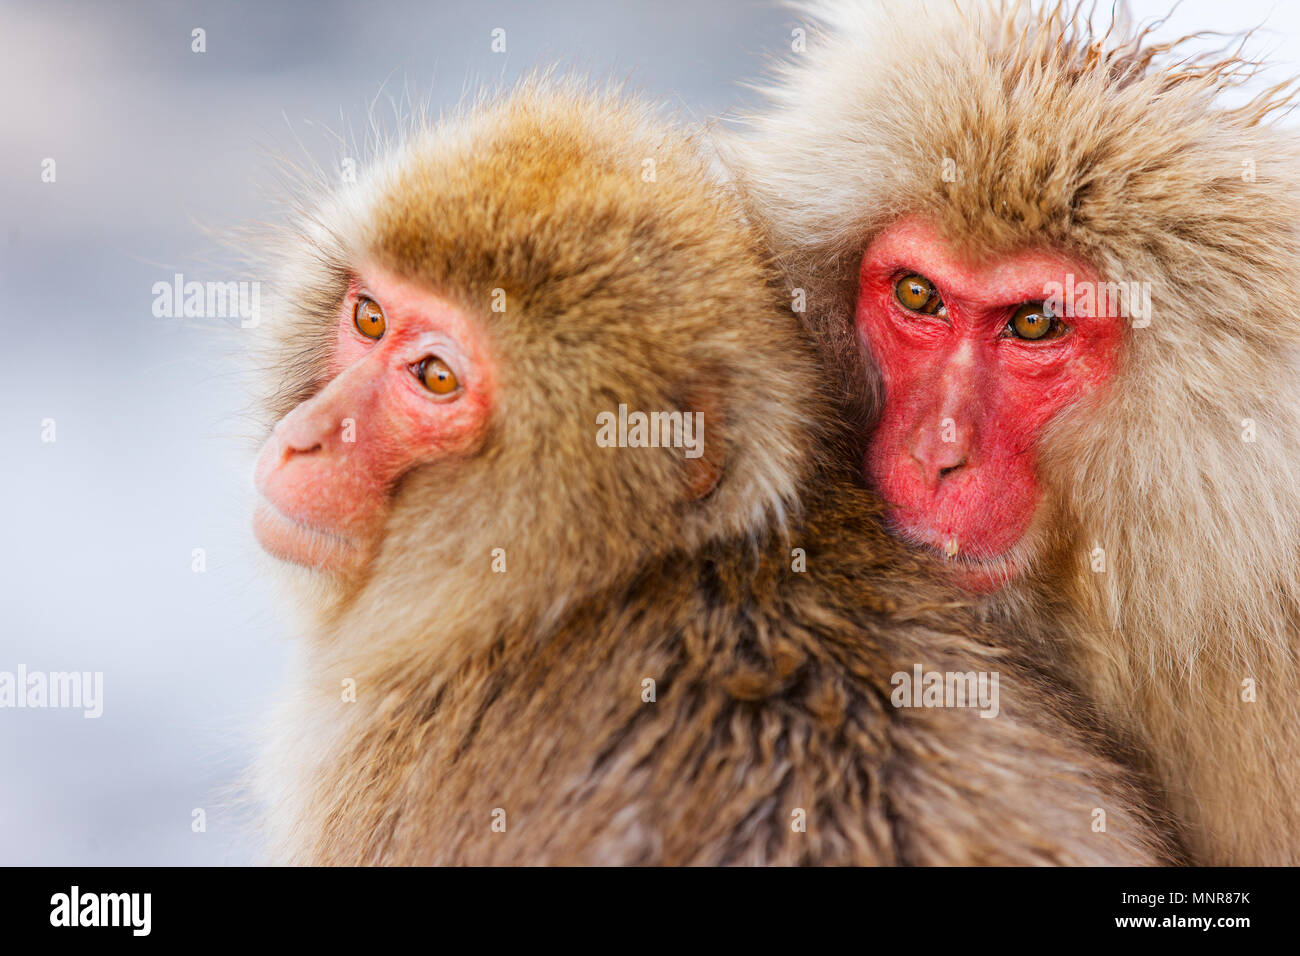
<point>368,317</point>
<point>916,293</point>
<point>437,376</point>
<point>1033,322</point>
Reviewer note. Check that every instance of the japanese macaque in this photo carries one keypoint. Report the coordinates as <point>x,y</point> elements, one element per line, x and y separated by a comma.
<point>1057,275</point>
<point>543,429</point>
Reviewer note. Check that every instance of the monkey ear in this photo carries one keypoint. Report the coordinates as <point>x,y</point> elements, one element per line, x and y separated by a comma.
<point>704,471</point>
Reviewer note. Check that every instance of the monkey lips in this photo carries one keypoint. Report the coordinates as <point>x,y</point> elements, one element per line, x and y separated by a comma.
<point>975,539</point>
<point>298,543</point>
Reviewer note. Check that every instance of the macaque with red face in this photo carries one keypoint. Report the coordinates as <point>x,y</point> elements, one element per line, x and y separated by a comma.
<point>1056,277</point>
<point>974,365</point>
<point>527,645</point>
<point>417,374</point>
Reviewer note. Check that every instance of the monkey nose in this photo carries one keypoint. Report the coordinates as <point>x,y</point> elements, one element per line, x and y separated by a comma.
<point>301,432</point>
<point>938,460</point>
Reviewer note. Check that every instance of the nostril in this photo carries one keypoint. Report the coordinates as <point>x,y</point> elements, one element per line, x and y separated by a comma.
<point>945,472</point>
<point>291,451</point>
<point>937,462</point>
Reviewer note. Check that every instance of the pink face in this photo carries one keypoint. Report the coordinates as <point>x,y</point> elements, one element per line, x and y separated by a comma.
<point>409,382</point>
<point>974,367</point>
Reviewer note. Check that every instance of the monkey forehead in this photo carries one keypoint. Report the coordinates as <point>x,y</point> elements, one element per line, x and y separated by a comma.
<point>562,199</point>
<point>986,282</point>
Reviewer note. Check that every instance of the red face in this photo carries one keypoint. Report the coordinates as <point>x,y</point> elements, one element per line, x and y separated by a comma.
<point>974,366</point>
<point>409,382</point>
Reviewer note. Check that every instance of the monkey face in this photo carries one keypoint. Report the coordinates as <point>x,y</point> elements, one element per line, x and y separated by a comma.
<point>976,359</point>
<point>410,381</point>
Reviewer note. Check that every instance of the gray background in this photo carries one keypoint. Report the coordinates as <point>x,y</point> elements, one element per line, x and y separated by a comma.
<point>161,154</point>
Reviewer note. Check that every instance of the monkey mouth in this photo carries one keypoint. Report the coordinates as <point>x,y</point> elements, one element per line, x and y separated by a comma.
<point>288,539</point>
<point>980,575</point>
<point>964,566</point>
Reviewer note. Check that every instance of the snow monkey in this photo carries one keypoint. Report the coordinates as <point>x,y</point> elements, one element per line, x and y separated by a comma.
<point>1057,274</point>
<point>546,633</point>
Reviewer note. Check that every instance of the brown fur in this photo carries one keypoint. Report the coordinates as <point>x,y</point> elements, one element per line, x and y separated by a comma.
<point>1117,151</point>
<point>522,691</point>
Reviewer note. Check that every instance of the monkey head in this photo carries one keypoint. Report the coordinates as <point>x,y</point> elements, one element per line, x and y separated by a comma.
<point>1026,249</point>
<point>974,365</point>
<point>508,332</point>
<point>414,369</point>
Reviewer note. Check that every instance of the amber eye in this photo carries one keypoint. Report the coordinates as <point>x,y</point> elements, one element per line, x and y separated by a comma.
<point>917,294</point>
<point>437,376</point>
<point>1033,322</point>
<point>368,317</point>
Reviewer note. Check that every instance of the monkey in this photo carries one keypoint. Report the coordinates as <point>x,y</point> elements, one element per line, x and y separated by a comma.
<point>533,635</point>
<point>1033,254</point>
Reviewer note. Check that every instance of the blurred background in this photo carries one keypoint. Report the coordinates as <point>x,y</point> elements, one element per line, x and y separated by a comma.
<point>160,154</point>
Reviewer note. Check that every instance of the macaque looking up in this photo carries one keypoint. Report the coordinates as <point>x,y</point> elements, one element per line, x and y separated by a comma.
<point>1054,272</point>
<point>585,584</point>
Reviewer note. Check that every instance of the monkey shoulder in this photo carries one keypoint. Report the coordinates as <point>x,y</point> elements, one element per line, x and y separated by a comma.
<point>726,709</point>
<point>857,658</point>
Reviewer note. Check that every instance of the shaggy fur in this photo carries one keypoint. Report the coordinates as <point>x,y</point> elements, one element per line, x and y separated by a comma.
<point>523,691</point>
<point>1115,150</point>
